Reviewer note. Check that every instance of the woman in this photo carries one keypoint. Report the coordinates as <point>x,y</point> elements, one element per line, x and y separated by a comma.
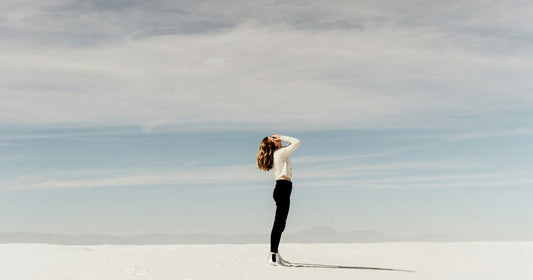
<point>272,155</point>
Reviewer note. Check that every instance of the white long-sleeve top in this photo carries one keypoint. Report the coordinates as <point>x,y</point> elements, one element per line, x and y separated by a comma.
<point>282,164</point>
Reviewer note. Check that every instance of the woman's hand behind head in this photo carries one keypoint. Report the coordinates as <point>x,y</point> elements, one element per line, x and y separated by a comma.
<point>275,136</point>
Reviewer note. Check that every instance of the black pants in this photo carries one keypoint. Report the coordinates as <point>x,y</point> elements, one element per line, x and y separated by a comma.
<point>282,194</point>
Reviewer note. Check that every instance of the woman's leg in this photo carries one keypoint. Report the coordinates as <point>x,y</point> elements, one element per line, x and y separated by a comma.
<point>282,193</point>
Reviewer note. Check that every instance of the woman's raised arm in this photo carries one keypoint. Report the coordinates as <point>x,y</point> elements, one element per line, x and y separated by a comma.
<point>294,143</point>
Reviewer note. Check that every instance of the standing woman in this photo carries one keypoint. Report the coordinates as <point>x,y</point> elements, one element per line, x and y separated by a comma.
<point>272,155</point>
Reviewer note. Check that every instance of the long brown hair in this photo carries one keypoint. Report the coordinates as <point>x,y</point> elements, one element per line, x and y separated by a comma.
<point>265,157</point>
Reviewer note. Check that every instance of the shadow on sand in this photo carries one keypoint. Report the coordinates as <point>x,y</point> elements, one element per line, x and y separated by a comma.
<point>294,264</point>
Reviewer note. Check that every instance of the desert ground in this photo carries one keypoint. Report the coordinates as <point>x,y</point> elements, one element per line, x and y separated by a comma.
<point>466,261</point>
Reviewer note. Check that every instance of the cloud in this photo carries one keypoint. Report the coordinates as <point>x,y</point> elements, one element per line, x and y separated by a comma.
<point>346,172</point>
<point>377,66</point>
<point>479,180</point>
<point>58,135</point>
<point>335,158</point>
<point>179,176</point>
<point>490,134</point>
<point>230,177</point>
<point>62,20</point>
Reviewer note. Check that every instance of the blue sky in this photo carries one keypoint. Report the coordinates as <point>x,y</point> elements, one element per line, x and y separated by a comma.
<point>128,118</point>
<point>401,182</point>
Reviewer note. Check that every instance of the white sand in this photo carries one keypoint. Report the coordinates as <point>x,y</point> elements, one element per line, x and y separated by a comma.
<point>465,261</point>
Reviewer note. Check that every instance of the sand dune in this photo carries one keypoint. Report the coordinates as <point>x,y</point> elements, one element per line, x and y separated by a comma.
<point>469,260</point>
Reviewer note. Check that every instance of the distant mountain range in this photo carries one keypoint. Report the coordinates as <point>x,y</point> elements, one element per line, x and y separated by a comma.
<point>321,234</point>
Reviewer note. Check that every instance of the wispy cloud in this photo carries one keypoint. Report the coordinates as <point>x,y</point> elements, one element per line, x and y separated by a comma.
<point>386,170</point>
<point>191,174</point>
<point>47,135</point>
<point>522,131</point>
<point>178,176</point>
<point>480,180</point>
<point>312,159</point>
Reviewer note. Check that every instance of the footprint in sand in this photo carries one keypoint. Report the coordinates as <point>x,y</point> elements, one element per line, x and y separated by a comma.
<point>136,272</point>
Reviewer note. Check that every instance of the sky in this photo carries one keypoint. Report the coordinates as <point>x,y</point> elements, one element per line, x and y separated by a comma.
<point>132,117</point>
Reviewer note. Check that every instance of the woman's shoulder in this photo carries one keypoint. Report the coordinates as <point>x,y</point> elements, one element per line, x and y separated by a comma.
<point>280,153</point>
